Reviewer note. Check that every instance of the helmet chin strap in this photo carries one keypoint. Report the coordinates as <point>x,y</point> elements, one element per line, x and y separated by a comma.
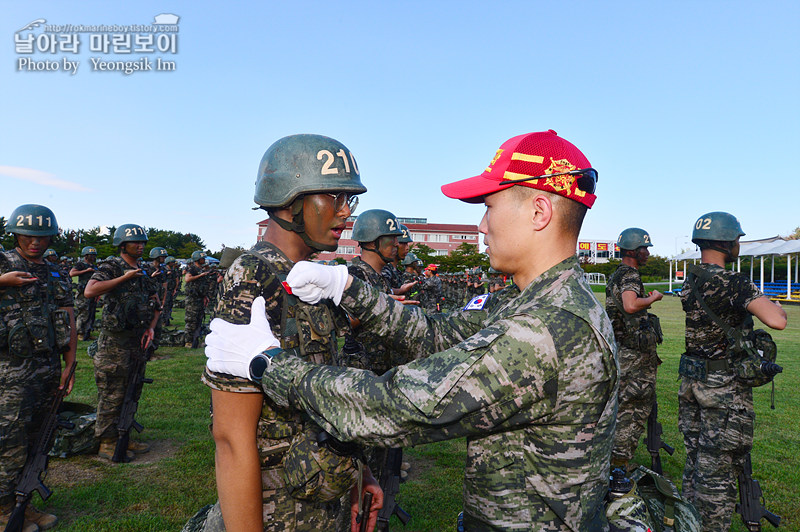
<point>723,247</point>
<point>297,225</point>
<point>376,250</point>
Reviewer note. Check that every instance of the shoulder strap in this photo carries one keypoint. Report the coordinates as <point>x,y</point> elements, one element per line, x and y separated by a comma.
<point>695,272</point>
<point>289,327</point>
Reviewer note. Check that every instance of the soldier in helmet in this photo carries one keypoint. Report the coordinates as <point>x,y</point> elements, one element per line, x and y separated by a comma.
<point>528,374</point>
<point>627,303</point>
<point>37,327</point>
<point>173,276</point>
<point>85,308</point>
<point>196,298</point>
<point>157,272</point>
<point>715,408</point>
<point>391,270</point>
<point>130,315</point>
<point>308,184</point>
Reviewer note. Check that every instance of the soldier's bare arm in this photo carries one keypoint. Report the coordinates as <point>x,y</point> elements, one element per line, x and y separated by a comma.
<point>771,314</point>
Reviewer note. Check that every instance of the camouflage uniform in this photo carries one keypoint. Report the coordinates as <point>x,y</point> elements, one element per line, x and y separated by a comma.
<point>716,417</point>
<point>196,292</point>
<point>530,380</point>
<point>158,281</point>
<point>317,327</point>
<point>393,276</point>
<point>173,277</point>
<point>638,362</point>
<point>85,308</point>
<point>30,366</point>
<point>430,294</point>
<point>367,350</point>
<point>127,313</point>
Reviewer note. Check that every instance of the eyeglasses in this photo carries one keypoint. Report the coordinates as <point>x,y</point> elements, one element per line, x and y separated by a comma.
<point>344,198</point>
<point>587,180</point>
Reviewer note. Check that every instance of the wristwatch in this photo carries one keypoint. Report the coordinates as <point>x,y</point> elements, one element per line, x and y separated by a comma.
<point>260,363</point>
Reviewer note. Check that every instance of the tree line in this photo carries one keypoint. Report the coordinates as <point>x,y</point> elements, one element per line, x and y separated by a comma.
<point>70,242</point>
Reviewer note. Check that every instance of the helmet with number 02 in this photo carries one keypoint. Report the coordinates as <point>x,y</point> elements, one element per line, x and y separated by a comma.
<point>129,233</point>
<point>633,238</point>
<point>717,226</point>
<point>375,223</point>
<point>197,255</point>
<point>32,220</point>
<point>305,164</point>
<point>158,252</point>
<point>406,238</point>
<point>88,250</point>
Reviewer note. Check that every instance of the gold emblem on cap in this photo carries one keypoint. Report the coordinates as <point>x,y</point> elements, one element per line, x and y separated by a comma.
<point>561,183</point>
<point>496,156</point>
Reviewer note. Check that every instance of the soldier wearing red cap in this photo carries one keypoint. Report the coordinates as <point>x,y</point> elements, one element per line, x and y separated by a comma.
<point>528,374</point>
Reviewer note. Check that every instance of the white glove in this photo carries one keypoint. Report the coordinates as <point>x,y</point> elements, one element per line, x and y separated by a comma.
<point>312,282</point>
<point>230,348</point>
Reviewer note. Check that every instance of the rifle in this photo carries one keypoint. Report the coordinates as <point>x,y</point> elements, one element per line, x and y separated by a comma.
<point>363,515</point>
<point>36,463</point>
<point>751,500</point>
<point>654,442</point>
<point>390,484</point>
<point>131,403</point>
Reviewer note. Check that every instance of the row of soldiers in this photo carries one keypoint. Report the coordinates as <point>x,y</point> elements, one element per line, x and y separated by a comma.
<point>718,372</point>
<point>41,320</point>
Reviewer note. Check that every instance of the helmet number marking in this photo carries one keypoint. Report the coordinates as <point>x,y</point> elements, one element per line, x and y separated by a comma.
<point>132,231</point>
<point>646,238</point>
<point>703,223</point>
<point>390,223</point>
<point>40,218</point>
<point>327,166</point>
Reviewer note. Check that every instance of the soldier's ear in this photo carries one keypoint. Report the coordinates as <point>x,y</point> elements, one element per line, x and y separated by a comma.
<point>538,208</point>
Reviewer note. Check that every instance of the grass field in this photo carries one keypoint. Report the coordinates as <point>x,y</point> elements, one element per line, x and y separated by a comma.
<point>164,488</point>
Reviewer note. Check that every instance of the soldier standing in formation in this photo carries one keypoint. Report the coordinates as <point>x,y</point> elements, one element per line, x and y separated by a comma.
<point>38,328</point>
<point>430,291</point>
<point>715,409</point>
<point>85,308</point>
<point>173,276</point>
<point>308,184</point>
<point>627,303</point>
<point>376,231</point>
<point>130,314</point>
<point>196,298</point>
<point>528,376</point>
<point>157,272</point>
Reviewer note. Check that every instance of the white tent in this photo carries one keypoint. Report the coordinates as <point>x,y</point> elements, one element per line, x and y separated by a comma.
<point>768,247</point>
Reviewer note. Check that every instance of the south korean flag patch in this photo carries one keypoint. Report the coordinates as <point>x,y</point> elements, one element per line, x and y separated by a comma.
<point>477,302</point>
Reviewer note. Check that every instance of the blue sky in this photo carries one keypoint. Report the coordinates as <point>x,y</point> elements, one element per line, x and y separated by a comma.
<point>683,107</point>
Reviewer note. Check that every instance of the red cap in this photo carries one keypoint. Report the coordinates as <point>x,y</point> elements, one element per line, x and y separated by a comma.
<point>431,267</point>
<point>531,155</point>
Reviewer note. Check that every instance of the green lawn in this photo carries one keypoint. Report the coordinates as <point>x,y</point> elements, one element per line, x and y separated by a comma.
<point>177,477</point>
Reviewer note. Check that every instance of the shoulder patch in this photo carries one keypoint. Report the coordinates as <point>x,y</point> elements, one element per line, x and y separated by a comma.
<point>477,302</point>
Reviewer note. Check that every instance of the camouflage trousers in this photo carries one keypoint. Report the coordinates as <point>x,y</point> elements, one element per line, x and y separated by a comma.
<point>85,309</point>
<point>194,316</point>
<point>281,512</point>
<point>716,419</point>
<point>169,300</point>
<point>112,364</point>
<point>27,386</point>
<point>637,391</point>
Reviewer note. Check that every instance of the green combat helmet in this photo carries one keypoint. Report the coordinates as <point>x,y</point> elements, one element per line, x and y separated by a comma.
<point>158,252</point>
<point>410,259</point>
<point>88,250</point>
<point>406,238</point>
<point>50,253</point>
<point>169,260</point>
<point>633,238</point>
<point>717,226</point>
<point>32,220</point>
<point>375,223</point>
<point>304,164</point>
<point>129,233</point>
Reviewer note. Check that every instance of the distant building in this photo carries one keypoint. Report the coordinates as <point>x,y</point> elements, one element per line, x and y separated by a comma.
<point>597,251</point>
<point>443,238</point>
